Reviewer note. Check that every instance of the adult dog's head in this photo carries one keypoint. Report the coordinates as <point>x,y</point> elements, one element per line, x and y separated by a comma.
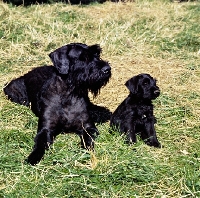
<point>82,66</point>
<point>143,86</point>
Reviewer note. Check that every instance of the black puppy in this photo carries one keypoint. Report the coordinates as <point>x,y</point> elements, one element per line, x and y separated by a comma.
<point>135,114</point>
<point>59,95</point>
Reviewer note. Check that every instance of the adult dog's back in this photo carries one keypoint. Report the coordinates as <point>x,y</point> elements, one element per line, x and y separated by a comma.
<point>24,90</point>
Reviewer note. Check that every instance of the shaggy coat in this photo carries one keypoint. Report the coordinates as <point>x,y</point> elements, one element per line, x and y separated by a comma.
<point>135,114</point>
<point>58,95</point>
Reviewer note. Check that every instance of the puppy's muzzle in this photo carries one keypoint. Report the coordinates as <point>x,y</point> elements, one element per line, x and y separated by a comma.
<point>157,92</point>
<point>106,69</point>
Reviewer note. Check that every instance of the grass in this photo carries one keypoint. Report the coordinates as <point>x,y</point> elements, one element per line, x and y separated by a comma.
<point>156,37</point>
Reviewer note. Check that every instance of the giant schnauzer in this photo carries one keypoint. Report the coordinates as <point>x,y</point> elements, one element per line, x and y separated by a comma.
<point>58,95</point>
<point>135,114</point>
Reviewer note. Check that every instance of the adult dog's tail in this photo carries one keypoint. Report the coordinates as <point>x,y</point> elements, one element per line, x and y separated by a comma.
<point>16,91</point>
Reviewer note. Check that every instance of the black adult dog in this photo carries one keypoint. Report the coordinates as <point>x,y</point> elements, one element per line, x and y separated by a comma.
<point>135,114</point>
<point>58,95</point>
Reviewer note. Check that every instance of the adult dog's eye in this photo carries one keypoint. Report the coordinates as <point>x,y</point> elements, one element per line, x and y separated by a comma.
<point>83,57</point>
<point>97,55</point>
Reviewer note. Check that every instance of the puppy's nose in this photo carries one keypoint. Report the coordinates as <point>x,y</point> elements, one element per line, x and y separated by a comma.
<point>157,92</point>
<point>106,69</point>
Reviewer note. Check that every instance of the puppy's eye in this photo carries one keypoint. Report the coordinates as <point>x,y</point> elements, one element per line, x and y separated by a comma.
<point>145,83</point>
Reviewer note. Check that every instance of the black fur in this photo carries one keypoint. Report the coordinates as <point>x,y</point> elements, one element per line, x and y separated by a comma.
<point>135,114</point>
<point>58,95</point>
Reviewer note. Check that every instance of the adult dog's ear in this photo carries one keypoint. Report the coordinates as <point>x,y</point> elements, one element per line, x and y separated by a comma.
<point>95,49</point>
<point>60,59</point>
<point>132,84</point>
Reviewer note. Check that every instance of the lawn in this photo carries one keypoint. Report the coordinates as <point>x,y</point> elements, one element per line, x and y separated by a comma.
<point>148,36</point>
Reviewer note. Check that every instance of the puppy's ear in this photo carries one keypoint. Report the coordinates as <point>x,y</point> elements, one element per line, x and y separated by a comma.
<point>60,59</point>
<point>132,84</point>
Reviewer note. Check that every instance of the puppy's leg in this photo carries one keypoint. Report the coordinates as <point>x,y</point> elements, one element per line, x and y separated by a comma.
<point>43,140</point>
<point>149,135</point>
<point>129,129</point>
<point>131,137</point>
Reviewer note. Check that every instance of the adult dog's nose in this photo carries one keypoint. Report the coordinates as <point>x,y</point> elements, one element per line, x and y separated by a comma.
<point>106,69</point>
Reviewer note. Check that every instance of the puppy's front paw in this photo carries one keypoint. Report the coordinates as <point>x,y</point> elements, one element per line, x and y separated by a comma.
<point>157,144</point>
<point>154,143</point>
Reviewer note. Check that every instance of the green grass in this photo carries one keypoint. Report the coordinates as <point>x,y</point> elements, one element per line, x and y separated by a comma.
<point>151,36</point>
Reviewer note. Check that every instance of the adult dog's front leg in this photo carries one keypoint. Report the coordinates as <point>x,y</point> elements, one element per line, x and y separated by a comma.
<point>42,141</point>
<point>149,135</point>
<point>87,138</point>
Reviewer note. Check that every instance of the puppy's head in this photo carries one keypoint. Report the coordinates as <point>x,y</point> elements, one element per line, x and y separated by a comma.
<point>83,65</point>
<point>143,86</point>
